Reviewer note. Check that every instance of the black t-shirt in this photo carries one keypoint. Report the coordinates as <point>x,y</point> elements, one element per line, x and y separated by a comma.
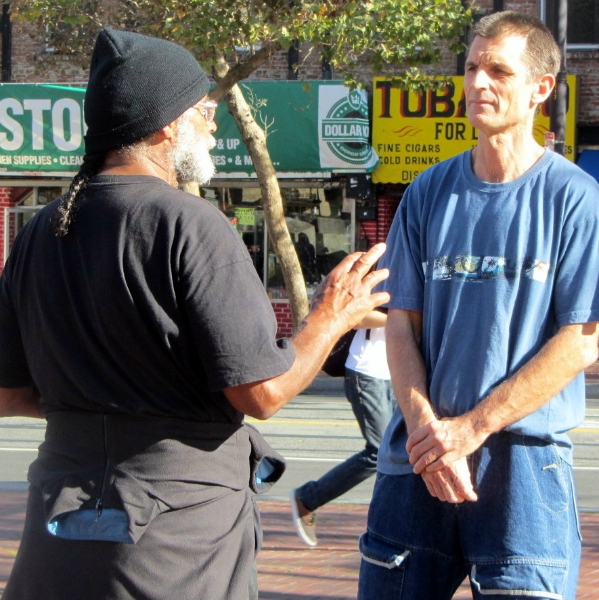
<point>150,305</point>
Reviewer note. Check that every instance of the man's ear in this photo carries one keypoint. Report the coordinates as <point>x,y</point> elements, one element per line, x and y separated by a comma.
<point>169,130</point>
<point>544,88</point>
<point>167,133</point>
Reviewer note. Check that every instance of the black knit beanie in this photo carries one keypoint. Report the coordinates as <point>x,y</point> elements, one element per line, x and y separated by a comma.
<point>137,85</point>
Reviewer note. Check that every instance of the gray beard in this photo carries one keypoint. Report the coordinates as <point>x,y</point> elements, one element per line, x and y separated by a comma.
<point>191,153</point>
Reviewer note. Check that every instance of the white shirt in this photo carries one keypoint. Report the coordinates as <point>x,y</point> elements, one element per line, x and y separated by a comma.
<point>369,356</point>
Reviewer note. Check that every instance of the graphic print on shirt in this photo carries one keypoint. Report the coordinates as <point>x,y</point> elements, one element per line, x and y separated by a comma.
<point>479,268</point>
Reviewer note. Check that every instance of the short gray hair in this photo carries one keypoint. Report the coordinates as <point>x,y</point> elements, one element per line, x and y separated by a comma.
<point>542,54</point>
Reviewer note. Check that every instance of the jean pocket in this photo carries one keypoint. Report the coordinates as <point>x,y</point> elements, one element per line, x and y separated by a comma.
<point>551,475</point>
<point>381,554</point>
<point>522,578</point>
<point>383,569</point>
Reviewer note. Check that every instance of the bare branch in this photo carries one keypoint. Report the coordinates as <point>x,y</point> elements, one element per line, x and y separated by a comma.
<point>227,78</point>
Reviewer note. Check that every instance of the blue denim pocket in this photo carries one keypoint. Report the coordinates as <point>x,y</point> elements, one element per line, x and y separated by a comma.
<point>550,474</point>
<point>382,554</point>
<point>392,571</point>
<point>522,535</point>
<point>519,578</point>
<point>382,569</point>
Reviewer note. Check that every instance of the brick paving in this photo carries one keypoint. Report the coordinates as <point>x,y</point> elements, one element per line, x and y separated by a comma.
<point>289,570</point>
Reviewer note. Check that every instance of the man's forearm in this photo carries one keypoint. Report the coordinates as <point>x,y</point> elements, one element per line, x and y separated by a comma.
<point>561,359</point>
<point>410,383</point>
<point>570,351</point>
<point>342,301</point>
<point>20,402</point>
<point>408,371</point>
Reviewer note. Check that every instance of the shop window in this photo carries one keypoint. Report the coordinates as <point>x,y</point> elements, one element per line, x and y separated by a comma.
<point>45,195</point>
<point>583,22</point>
<point>16,217</point>
<point>317,223</point>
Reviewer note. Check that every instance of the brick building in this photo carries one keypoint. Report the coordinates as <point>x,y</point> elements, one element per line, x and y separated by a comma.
<point>338,210</point>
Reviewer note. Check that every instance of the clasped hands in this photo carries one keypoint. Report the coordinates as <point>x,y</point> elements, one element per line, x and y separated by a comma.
<point>438,452</point>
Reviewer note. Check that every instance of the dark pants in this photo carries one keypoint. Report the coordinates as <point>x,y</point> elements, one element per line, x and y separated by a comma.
<point>373,402</point>
<point>206,551</point>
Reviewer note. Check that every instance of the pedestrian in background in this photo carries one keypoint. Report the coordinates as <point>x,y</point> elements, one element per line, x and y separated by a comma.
<point>368,388</point>
<point>493,318</point>
<point>132,319</point>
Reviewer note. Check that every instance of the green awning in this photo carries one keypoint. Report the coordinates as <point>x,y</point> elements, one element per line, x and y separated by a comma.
<point>314,128</point>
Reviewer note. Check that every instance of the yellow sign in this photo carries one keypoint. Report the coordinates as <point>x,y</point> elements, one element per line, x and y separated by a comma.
<point>413,130</point>
<point>245,215</point>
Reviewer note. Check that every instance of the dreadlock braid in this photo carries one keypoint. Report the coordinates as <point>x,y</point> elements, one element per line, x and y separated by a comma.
<point>68,203</point>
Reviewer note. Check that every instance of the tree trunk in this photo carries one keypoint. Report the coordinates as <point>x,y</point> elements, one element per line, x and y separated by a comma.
<point>255,140</point>
<point>191,188</point>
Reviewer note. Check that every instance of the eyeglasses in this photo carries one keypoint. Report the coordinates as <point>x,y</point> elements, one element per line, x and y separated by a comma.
<point>206,109</point>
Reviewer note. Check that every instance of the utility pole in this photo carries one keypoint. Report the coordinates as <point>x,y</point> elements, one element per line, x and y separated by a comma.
<point>5,29</point>
<point>559,101</point>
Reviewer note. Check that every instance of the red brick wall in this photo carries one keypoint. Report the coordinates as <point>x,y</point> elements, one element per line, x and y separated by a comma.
<point>585,65</point>
<point>30,64</point>
<point>5,202</point>
<point>367,230</point>
<point>386,211</point>
<point>376,231</point>
<point>284,318</point>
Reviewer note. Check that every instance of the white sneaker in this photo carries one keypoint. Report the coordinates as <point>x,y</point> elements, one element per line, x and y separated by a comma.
<point>304,520</point>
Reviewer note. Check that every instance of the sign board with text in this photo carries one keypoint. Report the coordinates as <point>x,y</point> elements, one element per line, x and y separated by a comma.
<point>313,128</point>
<point>413,130</point>
<point>41,129</point>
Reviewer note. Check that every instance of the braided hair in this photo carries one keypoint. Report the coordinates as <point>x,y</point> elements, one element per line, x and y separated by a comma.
<point>68,203</point>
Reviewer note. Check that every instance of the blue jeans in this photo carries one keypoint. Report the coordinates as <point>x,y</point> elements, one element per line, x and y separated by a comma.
<point>372,402</point>
<point>519,540</point>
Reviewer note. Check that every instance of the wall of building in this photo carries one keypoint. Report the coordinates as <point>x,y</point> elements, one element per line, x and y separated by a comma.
<point>284,318</point>
<point>31,64</point>
<point>586,66</point>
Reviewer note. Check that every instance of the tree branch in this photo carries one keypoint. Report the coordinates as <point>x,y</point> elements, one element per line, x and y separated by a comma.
<point>227,78</point>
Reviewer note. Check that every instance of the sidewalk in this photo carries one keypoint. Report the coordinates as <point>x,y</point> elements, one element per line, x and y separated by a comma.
<point>289,570</point>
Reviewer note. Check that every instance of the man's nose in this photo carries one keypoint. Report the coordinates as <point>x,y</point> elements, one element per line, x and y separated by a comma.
<point>480,79</point>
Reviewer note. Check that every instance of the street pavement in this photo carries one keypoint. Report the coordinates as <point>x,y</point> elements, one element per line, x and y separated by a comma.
<point>315,432</point>
<point>289,570</point>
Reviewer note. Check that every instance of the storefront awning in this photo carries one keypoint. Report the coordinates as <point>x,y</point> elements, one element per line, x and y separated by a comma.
<point>314,129</point>
<point>589,162</point>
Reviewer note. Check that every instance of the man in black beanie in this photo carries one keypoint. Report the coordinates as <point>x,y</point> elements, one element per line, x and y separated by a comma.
<point>132,319</point>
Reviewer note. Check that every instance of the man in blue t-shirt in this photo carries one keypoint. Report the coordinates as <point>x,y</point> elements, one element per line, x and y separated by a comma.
<point>494,260</point>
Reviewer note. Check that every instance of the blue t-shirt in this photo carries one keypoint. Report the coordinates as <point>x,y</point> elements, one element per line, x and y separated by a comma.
<point>496,270</point>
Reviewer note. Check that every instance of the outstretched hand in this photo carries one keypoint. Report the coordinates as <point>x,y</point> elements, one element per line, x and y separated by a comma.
<point>341,302</point>
<point>346,293</point>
